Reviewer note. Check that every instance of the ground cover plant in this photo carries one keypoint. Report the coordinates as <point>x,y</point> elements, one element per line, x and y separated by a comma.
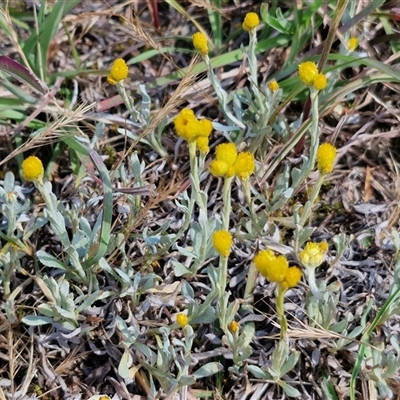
<point>199,199</point>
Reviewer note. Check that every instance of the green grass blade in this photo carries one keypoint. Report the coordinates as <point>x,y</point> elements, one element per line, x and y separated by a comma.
<point>47,31</point>
<point>365,11</point>
<point>46,36</point>
<point>214,15</point>
<point>42,11</point>
<point>18,93</point>
<point>328,388</point>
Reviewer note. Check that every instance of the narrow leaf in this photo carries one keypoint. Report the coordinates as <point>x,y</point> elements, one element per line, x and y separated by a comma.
<point>18,71</point>
<point>36,320</point>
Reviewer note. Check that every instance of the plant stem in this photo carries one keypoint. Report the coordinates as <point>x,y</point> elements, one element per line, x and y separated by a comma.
<point>280,312</point>
<point>313,198</point>
<point>250,204</point>
<point>223,272</point>
<point>195,176</point>
<point>253,65</point>
<point>314,131</point>
<point>226,199</point>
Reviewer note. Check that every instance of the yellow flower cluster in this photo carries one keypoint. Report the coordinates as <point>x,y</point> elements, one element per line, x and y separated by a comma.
<point>308,73</point>
<point>352,43</point>
<point>320,82</point>
<point>251,21</point>
<point>326,155</point>
<point>276,269</point>
<point>228,162</point>
<point>182,320</point>
<point>222,241</point>
<point>32,168</point>
<point>313,254</point>
<point>190,128</point>
<point>273,86</point>
<point>233,326</point>
<point>119,71</point>
<point>200,43</point>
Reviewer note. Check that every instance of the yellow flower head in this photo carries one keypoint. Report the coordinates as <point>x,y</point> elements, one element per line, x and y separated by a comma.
<point>222,241</point>
<point>186,124</point>
<point>218,168</point>
<point>225,158</point>
<point>244,165</point>
<point>313,254</point>
<point>307,72</point>
<point>274,268</point>
<point>251,20</point>
<point>352,43</point>
<point>182,320</point>
<point>205,127</point>
<point>320,82</point>
<point>326,155</point>
<point>233,326</point>
<point>200,43</point>
<point>119,71</point>
<point>292,278</point>
<point>202,144</point>
<point>226,152</point>
<point>273,86</point>
<point>32,168</point>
